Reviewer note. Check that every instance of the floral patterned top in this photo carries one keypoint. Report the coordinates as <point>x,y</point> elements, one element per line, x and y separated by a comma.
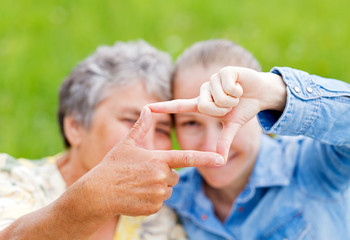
<point>27,185</point>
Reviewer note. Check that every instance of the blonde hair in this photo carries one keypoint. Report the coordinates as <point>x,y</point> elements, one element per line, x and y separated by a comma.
<point>216,51</point>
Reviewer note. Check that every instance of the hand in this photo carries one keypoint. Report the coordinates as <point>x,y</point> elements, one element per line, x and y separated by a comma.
<point>135,181</point>
<point>235,95</point>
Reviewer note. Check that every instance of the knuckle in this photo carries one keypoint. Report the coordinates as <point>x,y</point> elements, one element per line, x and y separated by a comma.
<point>233,89</point>
<point>187,159</point>
<point>205,86</point>
<point>161,192</point>
<point>214,77</point>
<point>234,101</point>
<point>179,108</point>
<point>229,89</point>
<point>160,176</point>
<point>225,69</point>
<point>208,110</point>
<point>222,112</point>
<point>201,107</point>
<point>221,102</point>
<point>158,191</point>
<point>213,81</point>
<point>138,127</point>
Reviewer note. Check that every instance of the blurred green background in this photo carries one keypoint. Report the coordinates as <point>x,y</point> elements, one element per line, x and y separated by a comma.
<point>41,41</point>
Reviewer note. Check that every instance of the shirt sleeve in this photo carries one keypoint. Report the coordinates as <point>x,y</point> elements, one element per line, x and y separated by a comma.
<point>318,108</point>
<point>22,188</point>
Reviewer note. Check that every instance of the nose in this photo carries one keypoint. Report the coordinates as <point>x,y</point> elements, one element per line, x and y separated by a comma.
<point>148,141</point>
<point>210,138</point>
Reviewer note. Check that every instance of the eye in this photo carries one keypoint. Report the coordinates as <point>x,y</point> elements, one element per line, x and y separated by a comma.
<point>130,121</point>
<point>163,131</point>
<point>190,123</point>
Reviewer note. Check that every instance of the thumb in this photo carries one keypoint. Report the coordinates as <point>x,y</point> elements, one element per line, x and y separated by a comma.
<point>229,131</point>
<point>140,128</point>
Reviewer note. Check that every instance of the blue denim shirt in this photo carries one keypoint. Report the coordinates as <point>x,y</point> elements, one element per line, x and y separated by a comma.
<point>299,187</point>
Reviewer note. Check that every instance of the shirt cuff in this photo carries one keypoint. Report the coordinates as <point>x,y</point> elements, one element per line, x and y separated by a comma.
<point>302,105</point>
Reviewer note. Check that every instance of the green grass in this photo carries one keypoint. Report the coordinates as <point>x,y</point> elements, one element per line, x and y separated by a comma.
<point>41,41</point>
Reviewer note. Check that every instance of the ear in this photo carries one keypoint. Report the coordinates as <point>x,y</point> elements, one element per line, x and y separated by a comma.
<point>73,131</point>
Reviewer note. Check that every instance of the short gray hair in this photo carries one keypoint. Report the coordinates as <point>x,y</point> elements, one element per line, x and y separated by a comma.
<point>109,66</point>
<point>216,51</point>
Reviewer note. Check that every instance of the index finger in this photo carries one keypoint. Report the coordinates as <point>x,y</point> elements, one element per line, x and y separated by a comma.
<point>175,106</point>
<point>180,158</point>
<point>229,131</point>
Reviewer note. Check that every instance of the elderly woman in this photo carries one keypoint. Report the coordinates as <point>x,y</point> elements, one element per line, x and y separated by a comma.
<point>75,195</point>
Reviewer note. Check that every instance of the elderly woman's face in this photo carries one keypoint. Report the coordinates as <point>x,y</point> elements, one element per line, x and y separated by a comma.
<point>114,117</point>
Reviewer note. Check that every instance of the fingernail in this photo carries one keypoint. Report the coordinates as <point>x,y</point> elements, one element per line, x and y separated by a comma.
<point>219,161</point>
<point>143,111</point>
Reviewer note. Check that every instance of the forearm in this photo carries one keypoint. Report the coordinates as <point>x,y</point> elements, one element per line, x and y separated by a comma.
<point>315,107</point>
<point>69,217</point>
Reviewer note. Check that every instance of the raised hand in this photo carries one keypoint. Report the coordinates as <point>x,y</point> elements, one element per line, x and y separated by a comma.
<point>135,181</point>
<point>235,95</point>
<point>129,181</point>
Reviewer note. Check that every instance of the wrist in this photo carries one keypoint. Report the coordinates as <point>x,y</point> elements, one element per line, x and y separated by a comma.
<point>77,211</point>
<point>275,92</point>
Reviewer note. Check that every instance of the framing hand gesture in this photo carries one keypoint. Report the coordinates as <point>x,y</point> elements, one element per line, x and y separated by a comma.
<point>235,95</point>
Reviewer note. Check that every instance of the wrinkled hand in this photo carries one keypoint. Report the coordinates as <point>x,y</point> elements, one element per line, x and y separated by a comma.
<point>235,95</point>
<point>134,181</point>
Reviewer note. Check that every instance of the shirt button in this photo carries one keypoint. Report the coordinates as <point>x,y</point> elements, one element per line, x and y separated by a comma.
<point>309,90</point>
<point>204,217</point>
<point>240,209</point>
<point>296,89</point>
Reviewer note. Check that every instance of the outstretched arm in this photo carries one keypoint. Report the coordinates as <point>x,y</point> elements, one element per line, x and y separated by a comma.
<point>319,108</point>
<point>288,102</point>
<point>128,181</point>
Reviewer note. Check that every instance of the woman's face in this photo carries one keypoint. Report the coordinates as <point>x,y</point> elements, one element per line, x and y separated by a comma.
<point>200,132</point>
<point>112,120</point>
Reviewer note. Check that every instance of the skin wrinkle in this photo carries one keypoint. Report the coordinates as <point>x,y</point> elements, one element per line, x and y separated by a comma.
<point>109,169</point>
<point>159,184</point>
